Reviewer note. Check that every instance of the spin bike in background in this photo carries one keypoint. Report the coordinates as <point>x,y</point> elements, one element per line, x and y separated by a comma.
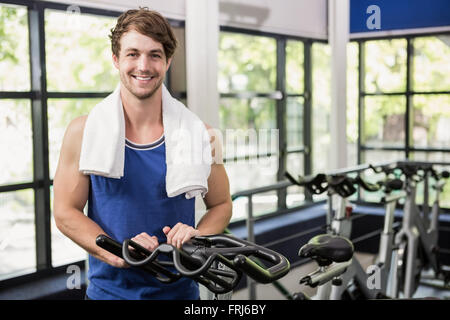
<point>215,261</point>
<point>333,255</point>
<point>340,224</point>
<point>417,240</point>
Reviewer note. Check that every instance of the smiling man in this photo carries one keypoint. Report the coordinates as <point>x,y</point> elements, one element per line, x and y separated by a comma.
<point>136,205</point>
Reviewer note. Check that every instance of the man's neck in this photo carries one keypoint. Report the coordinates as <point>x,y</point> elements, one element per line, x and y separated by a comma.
<point>143,117</point>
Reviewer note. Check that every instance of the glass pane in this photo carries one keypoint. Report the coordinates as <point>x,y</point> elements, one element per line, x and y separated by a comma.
<point>295,196</point>
<point>60,113</point>
<point>430,156</point>
<point>246,63</point>
<point>14,49</point>
<point>17,233</point>
<point>78,52</point>
<point>295,166</point>
<point>294,67</point>
<point>381,156</point>
<point>178,65</point>
<point>16,138</point>
<point>352,103</point>
<point>385,65</point>
<point>294,122</point>
<point>263,203</point>
<point>431,114</point>
<point>432,63</point>
<point>248,126</point>
<point>321,107</point>
<point>384,122</point>
<point>252,173</point>
<point>64,250</point>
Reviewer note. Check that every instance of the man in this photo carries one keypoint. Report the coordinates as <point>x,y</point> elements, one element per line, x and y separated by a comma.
<point>135,206</point>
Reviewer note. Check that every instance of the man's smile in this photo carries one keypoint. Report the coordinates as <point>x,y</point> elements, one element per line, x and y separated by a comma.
<point>142,79</point>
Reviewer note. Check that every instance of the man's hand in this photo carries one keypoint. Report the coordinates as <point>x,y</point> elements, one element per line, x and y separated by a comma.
<point>179,234</point>
<point>146,241</point>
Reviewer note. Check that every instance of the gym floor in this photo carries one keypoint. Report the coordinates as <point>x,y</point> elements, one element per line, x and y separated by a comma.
<point>291,283</point>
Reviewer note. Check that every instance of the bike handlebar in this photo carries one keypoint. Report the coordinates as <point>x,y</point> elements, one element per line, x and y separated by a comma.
<point>200,259</point>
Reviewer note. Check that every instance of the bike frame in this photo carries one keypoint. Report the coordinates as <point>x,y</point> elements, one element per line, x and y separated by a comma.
<point>419,228</point>
<point>341,225</point>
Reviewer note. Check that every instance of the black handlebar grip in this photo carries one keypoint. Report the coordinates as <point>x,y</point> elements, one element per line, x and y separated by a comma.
<point>260,273</point>
<point>445,174</point>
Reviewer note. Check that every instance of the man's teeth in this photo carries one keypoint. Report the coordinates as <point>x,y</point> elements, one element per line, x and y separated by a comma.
<point>143,78</point>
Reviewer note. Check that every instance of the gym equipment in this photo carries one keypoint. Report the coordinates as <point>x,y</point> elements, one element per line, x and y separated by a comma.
<point>333,255</point>
<point>215,261</point>
<point>340,187</point>
<point>417,240</point>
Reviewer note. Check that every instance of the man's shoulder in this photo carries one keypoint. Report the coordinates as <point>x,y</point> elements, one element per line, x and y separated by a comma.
<point>74,134</point>
<point>76,126</point>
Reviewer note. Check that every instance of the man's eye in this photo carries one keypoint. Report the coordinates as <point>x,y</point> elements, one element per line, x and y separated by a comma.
<point>156,56</point>
<point>131,55</point>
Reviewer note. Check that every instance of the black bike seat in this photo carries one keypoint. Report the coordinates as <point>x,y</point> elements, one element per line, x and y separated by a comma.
<point>326,249</point>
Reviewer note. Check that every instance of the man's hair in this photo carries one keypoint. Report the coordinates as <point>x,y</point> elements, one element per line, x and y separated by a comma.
<point>147,22</point>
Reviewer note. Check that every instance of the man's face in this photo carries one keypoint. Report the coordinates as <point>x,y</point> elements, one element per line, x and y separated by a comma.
<point>142,64</point>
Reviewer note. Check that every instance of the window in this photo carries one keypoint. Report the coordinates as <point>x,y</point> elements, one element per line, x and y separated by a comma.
<point>405,101</point>
<point>17,233</point>
<point>246,79</point>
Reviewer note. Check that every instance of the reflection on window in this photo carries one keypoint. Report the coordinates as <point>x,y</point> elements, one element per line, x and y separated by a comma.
<point>14,50</point>
<point>384,122</point>
<point>16,160</point>
<point>432,63</point>
<point>78,52</point>
<point>17,233</point>
<point>385,65</point>
<point>246,63</point>
<point>60,113</point>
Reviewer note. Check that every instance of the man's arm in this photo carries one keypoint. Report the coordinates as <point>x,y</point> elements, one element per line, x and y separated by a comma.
<point>217,200</point>
<point>71,191</point>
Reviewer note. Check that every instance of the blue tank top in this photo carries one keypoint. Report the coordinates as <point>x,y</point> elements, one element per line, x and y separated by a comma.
<point>125,207</point>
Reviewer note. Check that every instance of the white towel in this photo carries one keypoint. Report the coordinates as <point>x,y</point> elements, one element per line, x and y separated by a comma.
<point>188,150</point>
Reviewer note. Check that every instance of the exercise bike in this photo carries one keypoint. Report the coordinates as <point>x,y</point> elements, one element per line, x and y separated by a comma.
<point>333,255</point>
<point>417,240</point>
<point>341,187</point>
